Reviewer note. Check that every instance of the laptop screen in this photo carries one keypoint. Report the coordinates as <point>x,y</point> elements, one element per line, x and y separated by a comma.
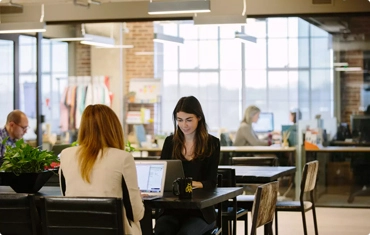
<point>151,176</point>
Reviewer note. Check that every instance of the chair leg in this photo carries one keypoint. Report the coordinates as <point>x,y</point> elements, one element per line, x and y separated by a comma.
<point>315,220</point>
<point>314,215</point>
<point>246,225</point>
<point>276,222</point>
<point>304,221</point>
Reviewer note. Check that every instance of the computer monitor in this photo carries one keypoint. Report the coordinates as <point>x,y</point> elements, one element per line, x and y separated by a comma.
<point>265,123</point>
<point>360,125</point>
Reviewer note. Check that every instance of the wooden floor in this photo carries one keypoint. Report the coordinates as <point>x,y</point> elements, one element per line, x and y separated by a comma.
<point>331,221</point>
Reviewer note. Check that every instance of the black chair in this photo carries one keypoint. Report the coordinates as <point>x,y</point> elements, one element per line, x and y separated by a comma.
<point>225,140</point>
<point>82,215</point>
<point>18,215</point>
<point>308,184</point>
<point>229,214</point>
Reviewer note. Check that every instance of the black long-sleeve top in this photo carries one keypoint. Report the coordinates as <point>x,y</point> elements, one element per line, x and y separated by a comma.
<point>203,170</point>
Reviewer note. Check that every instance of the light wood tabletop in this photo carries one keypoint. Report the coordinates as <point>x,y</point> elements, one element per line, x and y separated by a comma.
<point>340,149</point>
<point>255,149</point>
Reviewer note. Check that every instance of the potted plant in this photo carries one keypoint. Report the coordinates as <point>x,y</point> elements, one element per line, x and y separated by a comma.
<point>25,168</point>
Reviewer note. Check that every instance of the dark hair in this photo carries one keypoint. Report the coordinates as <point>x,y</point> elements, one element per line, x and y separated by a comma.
<point>297,115</point>
<point>191,105</point>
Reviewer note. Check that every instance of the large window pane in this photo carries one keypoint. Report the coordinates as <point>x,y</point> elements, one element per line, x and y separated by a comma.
<point>27,53</point>
<point>189,55</point>
<point>208,54</point>
<point>230,54</point>
<point>208,83</point>
<point>231,84</point>
<point>278,86</point>
<point>256,28</point>
<point>278,53</point>
<point>189,84</point>
<point>255,55</point>
<point>170,57</point>
<point>320,53</point>
<point>6,78</point>
<point>60,64</point>
<point>256,85</point>
<point>277,27</point>
<point>170,85</point>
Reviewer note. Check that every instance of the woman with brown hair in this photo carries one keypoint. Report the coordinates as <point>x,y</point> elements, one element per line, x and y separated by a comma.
<point>100,167</point>
<point>199,153</point>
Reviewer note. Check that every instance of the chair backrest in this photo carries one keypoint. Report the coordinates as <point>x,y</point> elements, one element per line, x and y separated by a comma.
<point>225,139</point>
<point>309,176</point>
<point>264,205</point>
<point>228,177</point>
<point>18,215</point>
<point>254,161</point>
<point>82,215</point>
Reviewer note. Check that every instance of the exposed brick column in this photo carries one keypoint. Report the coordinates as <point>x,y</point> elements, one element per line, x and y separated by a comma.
<point>351,85</point>
<point>83,59</point>
<point>140,66</point>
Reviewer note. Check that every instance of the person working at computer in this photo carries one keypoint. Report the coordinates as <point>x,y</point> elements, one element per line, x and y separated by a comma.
<point>295,115</point>
<point>15,128</point>
<point>100,167</point>
<point>245,136</point>
<point>200,153</point>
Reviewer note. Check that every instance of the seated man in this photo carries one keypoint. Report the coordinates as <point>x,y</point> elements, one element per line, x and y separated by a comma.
<point>15,128</point>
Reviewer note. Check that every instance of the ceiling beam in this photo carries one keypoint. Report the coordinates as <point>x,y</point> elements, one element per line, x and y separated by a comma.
<point>138,10</point>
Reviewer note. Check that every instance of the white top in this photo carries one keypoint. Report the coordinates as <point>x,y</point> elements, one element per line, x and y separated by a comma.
<point>106,181</point>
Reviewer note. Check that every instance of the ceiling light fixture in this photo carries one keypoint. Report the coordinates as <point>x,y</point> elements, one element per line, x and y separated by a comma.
<point>179,7</point>
<point>245,38</point>
<point>163,38</point>
<point>68,39</point>
<point>95,40</point>
<point>24,27</point>
<point>338,64</point>
<point>206,19</point>
<point>348,69</point>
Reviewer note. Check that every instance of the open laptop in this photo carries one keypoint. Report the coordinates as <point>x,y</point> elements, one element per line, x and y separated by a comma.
<point>174,171</point>
<point>151,177</point>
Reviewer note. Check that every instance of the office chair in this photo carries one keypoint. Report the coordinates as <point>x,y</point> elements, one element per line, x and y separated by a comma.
<point>228,212</point>
<point>82,215</point>
<point>18,215</point>
<point>308,184</point>
<point>264,206</point>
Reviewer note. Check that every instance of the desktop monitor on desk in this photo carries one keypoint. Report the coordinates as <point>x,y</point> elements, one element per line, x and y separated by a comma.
<point>265,123</point>
<point>360,125</point>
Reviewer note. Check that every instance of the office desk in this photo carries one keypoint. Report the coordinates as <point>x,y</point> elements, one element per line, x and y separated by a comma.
<point>341,176</point>
<point>260,174</point>
<point>233,150</point>
<point>201,199</point>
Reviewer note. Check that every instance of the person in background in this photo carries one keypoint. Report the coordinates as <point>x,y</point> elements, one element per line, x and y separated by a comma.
<point>99,166</point>
<point>245,136</point>
<point>295,115</point>
<point>15,128</point>
<point>199,153</point>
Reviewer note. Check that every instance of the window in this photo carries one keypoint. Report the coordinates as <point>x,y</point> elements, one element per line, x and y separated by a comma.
<point>288,67</point>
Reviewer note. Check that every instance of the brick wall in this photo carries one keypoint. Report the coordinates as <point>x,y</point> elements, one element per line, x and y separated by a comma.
<point>83,59</point>
<point>140,66</point>
<point>351,85</point>
<point>141,36</point>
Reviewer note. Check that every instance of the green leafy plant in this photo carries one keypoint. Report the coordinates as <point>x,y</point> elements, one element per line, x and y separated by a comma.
<point>23,158</point>
<point>129,147</point>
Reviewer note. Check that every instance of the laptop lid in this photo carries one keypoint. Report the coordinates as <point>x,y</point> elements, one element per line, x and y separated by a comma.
<point>151,176</point>
<point>174,171</point>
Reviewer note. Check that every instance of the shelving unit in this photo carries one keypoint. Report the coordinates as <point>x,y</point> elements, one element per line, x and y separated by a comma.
<point>137,113</point>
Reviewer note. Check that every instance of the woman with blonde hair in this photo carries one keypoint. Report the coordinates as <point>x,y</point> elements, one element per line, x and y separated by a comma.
<point>100,167</point>
<point>245,136</point>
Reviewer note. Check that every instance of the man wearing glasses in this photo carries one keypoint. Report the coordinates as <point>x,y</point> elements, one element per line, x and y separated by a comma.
<point>15,128</point>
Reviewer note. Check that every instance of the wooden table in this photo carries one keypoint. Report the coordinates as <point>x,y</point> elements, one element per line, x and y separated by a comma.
<point>340,149</point>
<point>260,174</point>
